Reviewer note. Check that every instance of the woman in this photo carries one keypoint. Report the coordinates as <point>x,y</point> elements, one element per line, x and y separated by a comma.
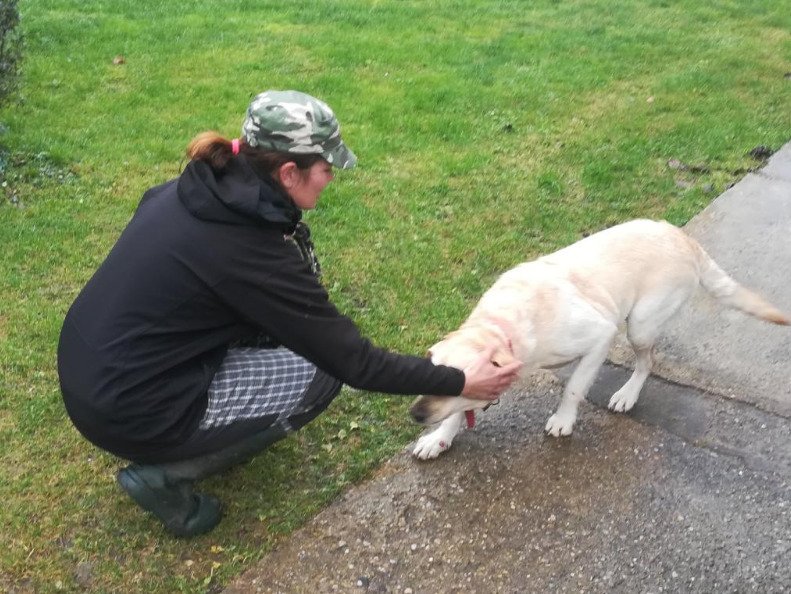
<point>206,334</point>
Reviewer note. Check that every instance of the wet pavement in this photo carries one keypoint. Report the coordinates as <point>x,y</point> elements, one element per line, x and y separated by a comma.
<point>688,492</point>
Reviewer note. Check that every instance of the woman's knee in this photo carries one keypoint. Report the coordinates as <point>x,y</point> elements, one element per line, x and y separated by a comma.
<point>320,393</point>
<point>322,390</point>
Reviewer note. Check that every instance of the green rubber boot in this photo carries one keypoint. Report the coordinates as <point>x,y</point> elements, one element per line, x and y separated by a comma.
<point>183,512</point>
<point>166,491</point>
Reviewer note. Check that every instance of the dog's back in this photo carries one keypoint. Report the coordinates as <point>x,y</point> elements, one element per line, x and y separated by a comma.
<point>630,260</point>
<point>611,269</point>
<point>618,266</point>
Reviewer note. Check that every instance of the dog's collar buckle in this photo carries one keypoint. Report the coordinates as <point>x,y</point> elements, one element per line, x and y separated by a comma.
<point>492,403</point>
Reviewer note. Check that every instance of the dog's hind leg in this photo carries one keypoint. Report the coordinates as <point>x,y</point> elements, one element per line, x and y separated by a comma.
<point>625,398</point>
<point>643,326</point>
<point>562,422</point>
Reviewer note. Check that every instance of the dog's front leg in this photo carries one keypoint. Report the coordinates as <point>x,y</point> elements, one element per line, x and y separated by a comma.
<point>562,422</point>
<point>433,444</point>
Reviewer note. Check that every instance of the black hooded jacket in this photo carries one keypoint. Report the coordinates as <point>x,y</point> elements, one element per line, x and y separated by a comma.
<point>204,262</point>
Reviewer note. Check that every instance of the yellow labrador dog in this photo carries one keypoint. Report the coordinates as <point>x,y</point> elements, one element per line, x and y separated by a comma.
<point>569,305</point>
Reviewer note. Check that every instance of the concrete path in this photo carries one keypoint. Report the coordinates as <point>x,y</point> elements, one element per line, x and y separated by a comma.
<point>690,492</point>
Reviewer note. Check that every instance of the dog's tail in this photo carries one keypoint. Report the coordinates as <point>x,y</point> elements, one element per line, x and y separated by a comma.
<point>730,293</point>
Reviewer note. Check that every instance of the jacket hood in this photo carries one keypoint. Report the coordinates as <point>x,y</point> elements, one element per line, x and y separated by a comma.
<point>238,195</point>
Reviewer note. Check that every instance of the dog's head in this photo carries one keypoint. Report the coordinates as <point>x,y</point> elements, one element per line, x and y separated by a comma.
<point>459,350</point>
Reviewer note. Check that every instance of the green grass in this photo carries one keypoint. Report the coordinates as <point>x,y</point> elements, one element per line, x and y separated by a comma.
<point>488,131</point>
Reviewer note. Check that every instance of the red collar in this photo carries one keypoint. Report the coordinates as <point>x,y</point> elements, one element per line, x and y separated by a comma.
<point>470,414</point>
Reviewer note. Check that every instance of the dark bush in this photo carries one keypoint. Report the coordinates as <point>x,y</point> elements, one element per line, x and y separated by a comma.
<point>10,49</point>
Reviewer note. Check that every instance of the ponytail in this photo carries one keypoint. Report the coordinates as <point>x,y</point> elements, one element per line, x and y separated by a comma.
<point>212,149</point>
<point>216,151</point>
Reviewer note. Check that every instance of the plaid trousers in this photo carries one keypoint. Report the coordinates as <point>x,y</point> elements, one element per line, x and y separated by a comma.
<point>256,382</point>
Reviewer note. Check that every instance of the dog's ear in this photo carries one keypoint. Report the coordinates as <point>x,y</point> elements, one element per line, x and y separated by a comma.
<point>432,350</point>
<point>503,357</point>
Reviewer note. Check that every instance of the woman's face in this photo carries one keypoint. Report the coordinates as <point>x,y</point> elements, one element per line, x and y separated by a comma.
<point>305,187</point>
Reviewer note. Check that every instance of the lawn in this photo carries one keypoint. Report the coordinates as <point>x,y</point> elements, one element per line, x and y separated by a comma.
<point>488,132</point>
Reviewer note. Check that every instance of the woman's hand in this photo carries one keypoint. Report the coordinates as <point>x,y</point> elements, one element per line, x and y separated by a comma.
<point>486,381</point>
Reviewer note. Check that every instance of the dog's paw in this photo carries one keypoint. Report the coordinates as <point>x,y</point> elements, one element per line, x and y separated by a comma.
<point>622,401</point>
<point>559,425</point>
<point>430,446</point>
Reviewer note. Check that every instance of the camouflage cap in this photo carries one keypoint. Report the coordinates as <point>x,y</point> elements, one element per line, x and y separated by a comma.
<point>293,122</point>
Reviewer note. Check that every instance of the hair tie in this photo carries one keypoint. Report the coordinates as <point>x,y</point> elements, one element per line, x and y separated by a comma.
<point>235,146</point>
